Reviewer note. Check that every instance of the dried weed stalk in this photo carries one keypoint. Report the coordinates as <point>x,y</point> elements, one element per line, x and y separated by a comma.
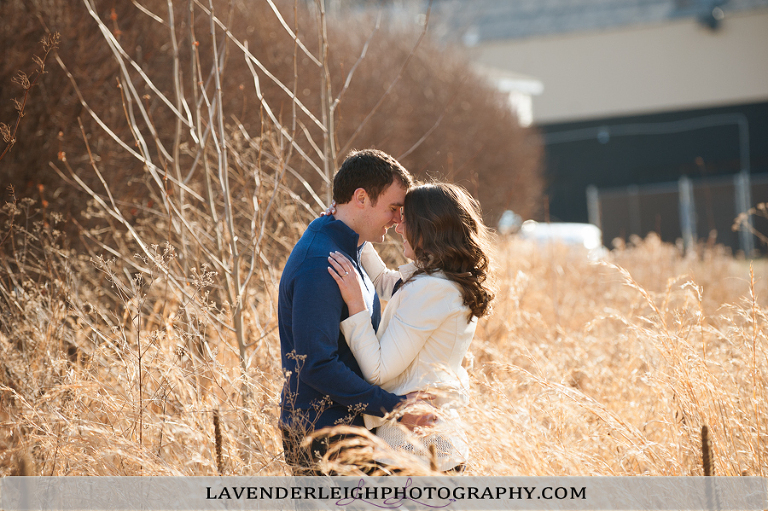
<point>26,82</point>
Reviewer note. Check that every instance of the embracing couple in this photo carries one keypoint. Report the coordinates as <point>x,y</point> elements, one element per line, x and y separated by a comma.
<point>346,362</point>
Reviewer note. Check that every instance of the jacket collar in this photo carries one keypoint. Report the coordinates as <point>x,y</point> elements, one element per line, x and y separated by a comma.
<point>407,270</point>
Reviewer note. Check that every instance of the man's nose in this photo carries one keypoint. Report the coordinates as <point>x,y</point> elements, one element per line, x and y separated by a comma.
<point>398,217</point>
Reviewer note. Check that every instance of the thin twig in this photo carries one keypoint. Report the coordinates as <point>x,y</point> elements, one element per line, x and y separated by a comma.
<point>49,44</point>
<point>357,63</point>
<point>149,13</point>
<point>117,48</point>
<point>178,90</point>
<point>391,85</point>
<point>329,148</point>
<point>155,171</point>
<point>294,35</point>
<point>250,57</point>
<point>277,123</point>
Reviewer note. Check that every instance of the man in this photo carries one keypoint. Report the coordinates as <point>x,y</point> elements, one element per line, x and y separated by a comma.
<point>324,385</point>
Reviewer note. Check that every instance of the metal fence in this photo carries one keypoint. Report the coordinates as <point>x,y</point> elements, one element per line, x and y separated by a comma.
<point>690,209</point>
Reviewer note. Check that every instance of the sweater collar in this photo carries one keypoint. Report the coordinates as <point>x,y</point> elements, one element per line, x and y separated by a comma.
<point>340,233</point>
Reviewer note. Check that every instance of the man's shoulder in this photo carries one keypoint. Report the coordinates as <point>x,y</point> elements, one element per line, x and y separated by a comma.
<point>310,254</point>
<point>314,242</point>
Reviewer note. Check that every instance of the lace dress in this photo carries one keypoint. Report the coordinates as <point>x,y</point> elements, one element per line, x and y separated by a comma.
<point>451,447</point>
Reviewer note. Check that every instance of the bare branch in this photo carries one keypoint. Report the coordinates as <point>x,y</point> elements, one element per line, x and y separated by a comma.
<point>116,46</point>
<point>277,123</point>
<point>357,63</point>
<point>179,91</point>
<point>391,85</point>
<point>118,49</point>
<point>117,215</point>
<point>150,13</point>
<point>117,52</point>
<point>292,34</point>
<point>294,173</point>
<point>311,141</point>
<point>329,147</point>
<point>151,166</point>
<point>249,56</point>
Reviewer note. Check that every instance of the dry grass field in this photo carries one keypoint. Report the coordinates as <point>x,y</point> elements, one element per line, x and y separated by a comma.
<point>613,368</point>
<point>608,368</point>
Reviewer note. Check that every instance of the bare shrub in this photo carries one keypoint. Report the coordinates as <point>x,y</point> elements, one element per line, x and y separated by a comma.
<point>441,120</point>
<point>439,116</point>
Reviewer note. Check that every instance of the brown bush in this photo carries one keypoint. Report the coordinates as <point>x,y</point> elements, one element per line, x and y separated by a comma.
<point>469,134</point>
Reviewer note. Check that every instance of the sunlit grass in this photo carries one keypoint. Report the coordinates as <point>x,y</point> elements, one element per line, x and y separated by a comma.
<point>585,368</point>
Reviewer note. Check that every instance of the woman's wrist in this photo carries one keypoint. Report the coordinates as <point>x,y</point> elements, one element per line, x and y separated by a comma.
<point>356,307</point>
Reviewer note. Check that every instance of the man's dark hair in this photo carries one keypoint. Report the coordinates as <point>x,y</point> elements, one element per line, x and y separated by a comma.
<point>369,169</point>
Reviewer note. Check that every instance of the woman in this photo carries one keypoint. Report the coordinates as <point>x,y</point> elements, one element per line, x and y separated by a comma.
<point>430,319</point>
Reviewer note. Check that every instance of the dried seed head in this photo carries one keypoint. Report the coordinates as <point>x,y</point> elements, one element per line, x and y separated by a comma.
<point>218,441</point>
<point>5,132</point>
<point>22,80</point>
<point>706,452</point>
<point>51,41</point>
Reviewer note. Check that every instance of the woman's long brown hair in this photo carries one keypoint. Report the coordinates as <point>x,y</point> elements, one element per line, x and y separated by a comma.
<point>445,228</point>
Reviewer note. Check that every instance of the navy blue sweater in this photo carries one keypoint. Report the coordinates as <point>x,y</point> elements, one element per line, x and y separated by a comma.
<point>324,385</point>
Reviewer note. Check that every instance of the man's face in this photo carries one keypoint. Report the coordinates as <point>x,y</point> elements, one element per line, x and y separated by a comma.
<point>376,220</point>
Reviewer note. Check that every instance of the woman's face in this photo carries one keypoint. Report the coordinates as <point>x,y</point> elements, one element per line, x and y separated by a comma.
<point>407,249</point>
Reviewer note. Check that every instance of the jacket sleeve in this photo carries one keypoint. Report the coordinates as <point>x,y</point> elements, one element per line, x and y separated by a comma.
<point>317,308</point>
<point>419,313</point>
<point>383,278</point>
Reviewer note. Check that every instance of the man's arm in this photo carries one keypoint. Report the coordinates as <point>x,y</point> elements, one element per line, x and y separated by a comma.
<point>317,310</point>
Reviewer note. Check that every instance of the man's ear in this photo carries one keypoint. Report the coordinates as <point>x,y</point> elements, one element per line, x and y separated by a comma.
<point>360,198</point>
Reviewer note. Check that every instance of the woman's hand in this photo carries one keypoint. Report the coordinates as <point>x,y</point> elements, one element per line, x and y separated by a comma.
<point>345,275</point>
<point>330,211</point>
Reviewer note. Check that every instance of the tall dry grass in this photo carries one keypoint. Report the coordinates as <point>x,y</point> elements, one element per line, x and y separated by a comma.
<point>613,368</point>
<point>585,368</point>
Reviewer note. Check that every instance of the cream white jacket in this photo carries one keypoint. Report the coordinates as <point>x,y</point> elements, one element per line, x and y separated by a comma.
<point>422,339</point>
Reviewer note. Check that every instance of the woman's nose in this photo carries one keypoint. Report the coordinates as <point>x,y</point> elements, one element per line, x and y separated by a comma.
<point>399,227</point>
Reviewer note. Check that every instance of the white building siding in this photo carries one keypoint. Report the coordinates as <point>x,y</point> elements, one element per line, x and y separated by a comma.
<point>634,70</point>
